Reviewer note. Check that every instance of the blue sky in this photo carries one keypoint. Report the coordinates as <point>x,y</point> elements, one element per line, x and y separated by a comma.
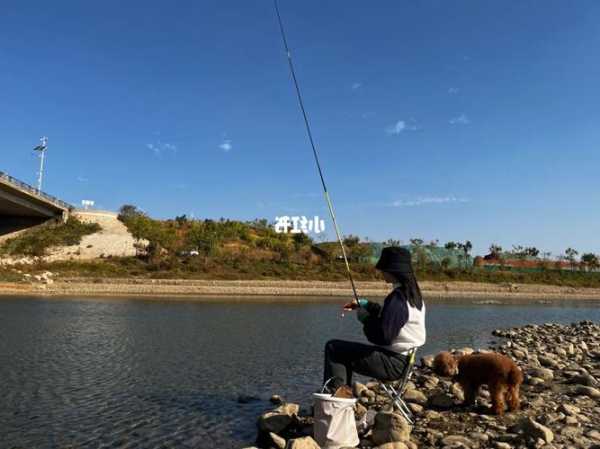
<point>448,120</point>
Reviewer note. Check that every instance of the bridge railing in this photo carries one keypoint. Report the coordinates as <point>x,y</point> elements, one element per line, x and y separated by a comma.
<point>23,185</point>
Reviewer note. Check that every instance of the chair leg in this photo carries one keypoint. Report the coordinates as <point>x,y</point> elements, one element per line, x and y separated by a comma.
<point>398,402</point>
<point>396,395</point>
<point>405,411</point>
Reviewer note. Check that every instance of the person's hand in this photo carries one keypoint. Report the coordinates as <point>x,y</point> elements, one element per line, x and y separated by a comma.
<point>353,305</point>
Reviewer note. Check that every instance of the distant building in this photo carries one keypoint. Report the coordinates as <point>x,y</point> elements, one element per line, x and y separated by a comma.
<point>527,263</point>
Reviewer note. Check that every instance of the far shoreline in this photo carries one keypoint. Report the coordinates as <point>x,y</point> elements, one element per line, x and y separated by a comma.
<point>249,291</point>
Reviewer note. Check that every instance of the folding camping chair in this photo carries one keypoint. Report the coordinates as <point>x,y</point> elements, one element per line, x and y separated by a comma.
<point>395,394</point>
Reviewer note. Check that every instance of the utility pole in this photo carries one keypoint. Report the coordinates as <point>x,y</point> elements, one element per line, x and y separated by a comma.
<point>42,150</point>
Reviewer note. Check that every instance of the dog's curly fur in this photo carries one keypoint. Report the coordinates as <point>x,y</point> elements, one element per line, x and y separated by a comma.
<point>500,373</point>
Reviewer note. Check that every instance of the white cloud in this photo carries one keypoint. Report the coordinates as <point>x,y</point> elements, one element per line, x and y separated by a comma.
<point>462,119</point>
<point>170,146</point>
<point>82,179</point>
<point>397,128</point>
<point>159,147</point>
<point>421,201</point>
<point>356,85</point>
<point>400,126</point>
<point>226,145</point>
<point>153,148</point>
<point>453,90</point>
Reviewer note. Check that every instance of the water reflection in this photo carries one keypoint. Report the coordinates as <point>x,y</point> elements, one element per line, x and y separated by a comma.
<point>144,374</point>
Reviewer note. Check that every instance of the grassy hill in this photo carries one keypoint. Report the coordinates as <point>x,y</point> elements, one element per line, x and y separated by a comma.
<point>227,249</point>
<point>37,241</point>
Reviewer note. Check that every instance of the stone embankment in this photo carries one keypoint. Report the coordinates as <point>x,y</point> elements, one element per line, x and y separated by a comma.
<point>560,401</point>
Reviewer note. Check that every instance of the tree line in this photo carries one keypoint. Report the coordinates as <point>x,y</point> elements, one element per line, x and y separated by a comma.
<point>183,235</point>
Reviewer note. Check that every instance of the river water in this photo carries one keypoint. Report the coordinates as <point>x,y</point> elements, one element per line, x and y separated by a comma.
<point>123,373</point>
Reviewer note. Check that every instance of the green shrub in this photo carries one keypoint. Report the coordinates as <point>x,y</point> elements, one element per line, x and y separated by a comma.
<point>36,242</point>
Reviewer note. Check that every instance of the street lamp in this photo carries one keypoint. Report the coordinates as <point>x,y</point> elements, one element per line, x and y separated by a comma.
<point>42,150</point>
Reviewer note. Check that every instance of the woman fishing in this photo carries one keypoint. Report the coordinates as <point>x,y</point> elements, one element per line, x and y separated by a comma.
<point>393,329</point>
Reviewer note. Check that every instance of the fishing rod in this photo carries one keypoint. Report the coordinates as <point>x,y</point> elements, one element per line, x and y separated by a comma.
<point>314,149</point>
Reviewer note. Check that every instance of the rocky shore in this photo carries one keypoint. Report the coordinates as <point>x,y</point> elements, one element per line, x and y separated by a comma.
<point>51,284</point>
<point>560,401</point>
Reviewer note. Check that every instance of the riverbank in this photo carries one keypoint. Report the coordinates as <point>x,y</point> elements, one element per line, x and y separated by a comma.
<point>560,401</point>
<point>49,285</point>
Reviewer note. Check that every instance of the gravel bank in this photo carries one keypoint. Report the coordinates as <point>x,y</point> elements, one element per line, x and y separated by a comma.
<point>317,290</point>
<point>560,401</point>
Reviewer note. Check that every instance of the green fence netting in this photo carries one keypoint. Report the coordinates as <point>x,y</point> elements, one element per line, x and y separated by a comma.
<point>427,255</point>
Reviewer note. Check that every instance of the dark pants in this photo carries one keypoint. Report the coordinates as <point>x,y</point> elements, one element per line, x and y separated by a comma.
<point>342,358</point>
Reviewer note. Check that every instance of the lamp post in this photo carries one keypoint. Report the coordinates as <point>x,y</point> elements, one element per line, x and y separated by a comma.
<point>42,150</point>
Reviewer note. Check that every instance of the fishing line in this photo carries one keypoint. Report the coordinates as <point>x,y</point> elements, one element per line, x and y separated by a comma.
<point>314,148</point>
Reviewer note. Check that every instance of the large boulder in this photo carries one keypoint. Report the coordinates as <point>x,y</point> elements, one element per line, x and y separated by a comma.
<point>393,445</point>
<point>288,408</point>
<point>568,409</point>
<point>390,427</point>
<point>534,430</point>
<point>358,389</point>
<point>581,390</point>
<point>274,422</point>
<point>415,396</point>
<point>427,361</point>
<point>417,409</point>
<point>584,379</point>
<point>302,443</point>
<point>542,373</point>
<point>519,354</point>
<point>593,434</point>
<point>279,419</point>
<point>548,361</point>
<point>429,382</point>
<point>278,441</point>
<point>441,400</point>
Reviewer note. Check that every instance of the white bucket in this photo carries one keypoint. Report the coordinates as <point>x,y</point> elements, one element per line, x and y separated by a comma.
<point>334,426</point>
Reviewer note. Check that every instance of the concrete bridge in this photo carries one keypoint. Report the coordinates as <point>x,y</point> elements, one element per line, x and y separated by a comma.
<point>23,206</point>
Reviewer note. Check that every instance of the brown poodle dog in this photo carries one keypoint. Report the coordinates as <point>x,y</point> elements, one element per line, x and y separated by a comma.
<point>502,376</point>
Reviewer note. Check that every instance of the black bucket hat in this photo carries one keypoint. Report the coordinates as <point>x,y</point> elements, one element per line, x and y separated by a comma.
<point>395,259</point>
